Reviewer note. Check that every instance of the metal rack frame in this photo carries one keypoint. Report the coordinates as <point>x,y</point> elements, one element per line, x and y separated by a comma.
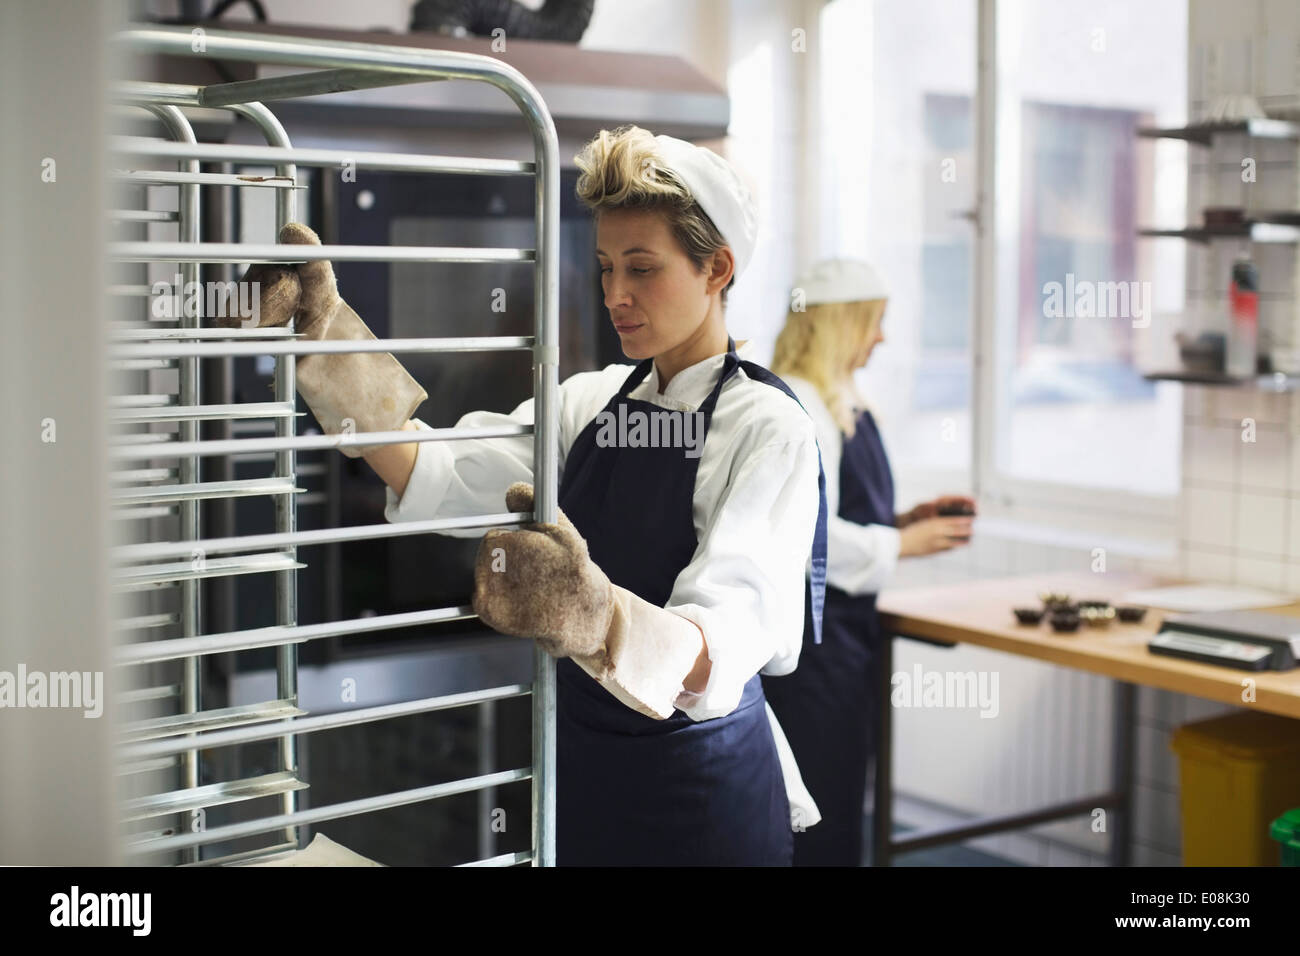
<point>332,67</point>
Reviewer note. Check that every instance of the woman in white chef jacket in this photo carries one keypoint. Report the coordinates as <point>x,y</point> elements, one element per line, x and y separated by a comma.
<point>674,574</point>
<point>828,706</point>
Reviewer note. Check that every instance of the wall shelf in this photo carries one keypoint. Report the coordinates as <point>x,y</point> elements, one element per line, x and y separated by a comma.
<point>1265,226</point>
<point>1203,133</point>
<point>1266,381</point>
<point>1279,227</point>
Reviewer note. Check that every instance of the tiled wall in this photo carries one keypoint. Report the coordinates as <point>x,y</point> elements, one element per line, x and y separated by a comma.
<point>1241,471</point>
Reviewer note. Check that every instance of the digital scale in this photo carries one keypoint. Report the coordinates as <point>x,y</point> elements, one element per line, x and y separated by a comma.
<point>1245,640</point>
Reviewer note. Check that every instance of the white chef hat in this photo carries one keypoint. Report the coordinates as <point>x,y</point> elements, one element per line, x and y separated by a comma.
<point>718,189</point>
<point>841,280</point>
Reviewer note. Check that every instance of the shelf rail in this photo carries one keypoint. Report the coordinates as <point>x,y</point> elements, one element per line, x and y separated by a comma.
<point>165,479</point>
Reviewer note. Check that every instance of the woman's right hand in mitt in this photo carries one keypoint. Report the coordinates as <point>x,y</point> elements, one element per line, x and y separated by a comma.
<point>539,581</point>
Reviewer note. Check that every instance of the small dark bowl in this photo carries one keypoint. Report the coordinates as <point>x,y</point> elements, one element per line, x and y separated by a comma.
<point>1065,621</point>
<point>1028,615</point>
<point>1131,614</point>
<point>1067,607</point>
<point>1098,616</point>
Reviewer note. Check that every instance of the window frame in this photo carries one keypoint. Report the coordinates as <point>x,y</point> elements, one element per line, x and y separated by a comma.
<point>1079,507</point>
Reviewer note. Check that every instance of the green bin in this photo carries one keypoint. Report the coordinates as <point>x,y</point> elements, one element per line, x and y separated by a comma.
<point>1286,831</point>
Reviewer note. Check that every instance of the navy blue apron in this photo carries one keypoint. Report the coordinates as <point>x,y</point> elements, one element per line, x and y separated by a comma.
<point>828,706</point>
<point>632,790</point>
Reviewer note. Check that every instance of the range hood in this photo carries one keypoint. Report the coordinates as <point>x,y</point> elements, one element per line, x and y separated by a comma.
<point>585,90</point>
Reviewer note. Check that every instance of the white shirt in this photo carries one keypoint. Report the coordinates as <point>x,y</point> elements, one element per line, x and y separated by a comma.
<point>860,558</point>
<point>755,508</point>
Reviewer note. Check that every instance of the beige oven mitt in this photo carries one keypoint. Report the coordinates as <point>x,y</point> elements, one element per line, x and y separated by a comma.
<point>347,392</point>
<point>540,582</point>
<point>322,851</point>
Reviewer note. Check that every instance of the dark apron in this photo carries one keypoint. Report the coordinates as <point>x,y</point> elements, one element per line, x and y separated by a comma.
<point>632,790</point>
<point>828,706</point>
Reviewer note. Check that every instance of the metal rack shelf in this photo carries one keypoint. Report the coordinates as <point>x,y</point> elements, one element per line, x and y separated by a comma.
<point>212,795</point>
<point>163,648</point>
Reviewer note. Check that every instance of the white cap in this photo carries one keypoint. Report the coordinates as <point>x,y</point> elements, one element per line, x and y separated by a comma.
<point>716,186</point>
<point>842,280</point>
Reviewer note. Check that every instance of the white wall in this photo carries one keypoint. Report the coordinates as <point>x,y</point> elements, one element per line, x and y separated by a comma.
<point>56,782</point>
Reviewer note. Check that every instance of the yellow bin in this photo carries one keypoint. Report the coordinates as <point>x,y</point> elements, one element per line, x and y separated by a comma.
<point>1239,773</point>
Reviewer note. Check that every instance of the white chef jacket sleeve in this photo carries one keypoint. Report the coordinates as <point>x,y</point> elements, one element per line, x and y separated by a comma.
<point>744,586</point>
<point>469,476</point>
<point>453,479</point>
<point>860,558</point>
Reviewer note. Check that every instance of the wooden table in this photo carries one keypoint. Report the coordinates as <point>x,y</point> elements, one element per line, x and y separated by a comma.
<point>979,612</point>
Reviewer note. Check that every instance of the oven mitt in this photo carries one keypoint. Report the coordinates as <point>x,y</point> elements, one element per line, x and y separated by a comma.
<point>539,581</point>
<point>322,851</point>
<point>347,392</point>
<point>278,292</point>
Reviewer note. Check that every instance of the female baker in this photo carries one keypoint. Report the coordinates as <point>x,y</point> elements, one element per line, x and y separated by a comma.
<point>674,574</point>
<point>828,706</point>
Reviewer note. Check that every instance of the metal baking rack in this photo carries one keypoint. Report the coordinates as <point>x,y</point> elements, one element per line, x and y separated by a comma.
<point>158,478</point>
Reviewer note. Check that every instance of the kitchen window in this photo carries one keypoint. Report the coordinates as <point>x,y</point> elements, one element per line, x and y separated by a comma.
<point>1077,297</point>
<point>897,181</point>
<point>988,377</point>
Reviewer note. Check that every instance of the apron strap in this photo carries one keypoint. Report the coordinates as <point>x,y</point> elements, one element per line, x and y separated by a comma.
<point>729,365</point>
<point>642,369</point>
<point>815,590</point>
<point>639,372</point>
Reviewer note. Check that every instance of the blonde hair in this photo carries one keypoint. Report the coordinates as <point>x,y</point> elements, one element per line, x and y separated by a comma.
<point>819,346</point>
<point>621,170</point>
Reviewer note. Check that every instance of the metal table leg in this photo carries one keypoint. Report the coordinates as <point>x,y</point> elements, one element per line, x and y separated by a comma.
<point>1118,801</point>
<point>882,813</point>
<point>1122,754</point>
